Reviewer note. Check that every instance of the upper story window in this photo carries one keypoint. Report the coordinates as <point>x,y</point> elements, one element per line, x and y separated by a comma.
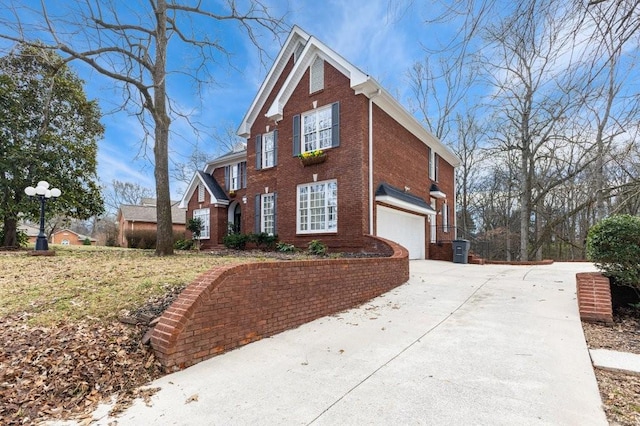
<point>317,207</point>
<point>235,176</point>
<point>316,77</point>
<point>267,150</point>
<point>433,165</point>
<point>317,129</point>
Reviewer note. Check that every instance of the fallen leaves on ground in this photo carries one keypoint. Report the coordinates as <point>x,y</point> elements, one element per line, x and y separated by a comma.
<point>619,390</point>
<point>64,371</point>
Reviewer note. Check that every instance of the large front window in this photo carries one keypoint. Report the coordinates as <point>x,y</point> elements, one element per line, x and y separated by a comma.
<point>318,207</point>
<point>203,215</point>
<point>268,214</point>
<point>316,127</point>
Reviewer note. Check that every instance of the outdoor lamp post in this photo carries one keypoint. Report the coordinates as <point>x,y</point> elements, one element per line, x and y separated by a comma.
<point>43,192</point>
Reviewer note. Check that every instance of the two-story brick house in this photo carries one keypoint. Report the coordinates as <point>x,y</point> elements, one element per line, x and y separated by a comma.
<point>380,173</point>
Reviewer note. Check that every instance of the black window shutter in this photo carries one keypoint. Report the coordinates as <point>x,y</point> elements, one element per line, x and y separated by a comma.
<point>258,152</point>
<point>243,169</point>
<point>275,213</point>
<point>275,147</point>
<point>335,124</point>
<point>257,223</point>
<point>296,135</point>
<point>227,177</point>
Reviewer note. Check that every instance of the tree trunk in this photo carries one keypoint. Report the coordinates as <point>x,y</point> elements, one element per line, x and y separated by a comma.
<point>10,232</point>
<point>164,245</point>
<point>525,210</point>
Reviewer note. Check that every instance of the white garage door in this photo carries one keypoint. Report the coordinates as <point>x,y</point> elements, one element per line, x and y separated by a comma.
<point>404,228</point>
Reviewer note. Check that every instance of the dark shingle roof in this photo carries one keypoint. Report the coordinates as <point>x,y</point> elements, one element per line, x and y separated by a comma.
<point>148,213</point>
<point>213,186</point>
<point>392,191</point>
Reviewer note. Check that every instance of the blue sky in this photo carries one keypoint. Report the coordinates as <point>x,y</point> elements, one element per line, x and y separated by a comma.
<point>381,37</point>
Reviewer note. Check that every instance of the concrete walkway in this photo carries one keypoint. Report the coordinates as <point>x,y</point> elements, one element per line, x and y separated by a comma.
<point>456,345</point>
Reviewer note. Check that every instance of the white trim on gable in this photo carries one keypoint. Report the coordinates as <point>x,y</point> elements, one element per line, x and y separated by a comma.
<point>312,50</point>
<point>191,189</point>
<point>360,82</point>
<point>296,38</point>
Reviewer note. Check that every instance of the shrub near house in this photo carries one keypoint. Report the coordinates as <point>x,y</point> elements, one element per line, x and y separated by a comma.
<point>613,245</point>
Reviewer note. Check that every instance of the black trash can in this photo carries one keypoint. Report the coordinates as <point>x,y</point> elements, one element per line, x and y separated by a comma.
<point>461,251</point>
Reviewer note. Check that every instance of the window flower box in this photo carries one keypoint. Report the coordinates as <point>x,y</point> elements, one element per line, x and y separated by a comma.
<point>312,157</point>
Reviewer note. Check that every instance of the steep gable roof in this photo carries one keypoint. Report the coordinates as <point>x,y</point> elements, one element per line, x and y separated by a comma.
<point>216,192</point>
<point>147,213</point>
<point>80,237</point>
<point>360,82</point>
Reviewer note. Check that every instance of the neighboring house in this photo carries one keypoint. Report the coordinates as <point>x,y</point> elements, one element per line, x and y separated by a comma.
<point>67,237</point>
<point>143,217</point>
<point>381,172</point>
<point>31,231</point>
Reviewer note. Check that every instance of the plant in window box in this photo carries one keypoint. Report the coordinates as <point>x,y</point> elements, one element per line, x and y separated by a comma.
<point>312,157</point>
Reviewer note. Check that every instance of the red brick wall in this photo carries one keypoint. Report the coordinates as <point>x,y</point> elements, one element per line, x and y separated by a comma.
<point>344,163</point>
<point>441,251</point>
<point>594,297</point>
<point>396,151</point>
<point>231,306</point>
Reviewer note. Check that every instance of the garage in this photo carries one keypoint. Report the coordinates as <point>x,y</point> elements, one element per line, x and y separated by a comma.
<point>404,228</point>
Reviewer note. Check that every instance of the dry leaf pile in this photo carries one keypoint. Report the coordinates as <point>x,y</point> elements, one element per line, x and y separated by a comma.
<point>64,371</point>
<point>620,392</point>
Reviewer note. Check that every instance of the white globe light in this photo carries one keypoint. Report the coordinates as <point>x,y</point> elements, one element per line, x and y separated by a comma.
<point>30,191</point>
<point>40,190</point>
<point>44,184</point>
<point>47,194</point>
<point>55,192</point>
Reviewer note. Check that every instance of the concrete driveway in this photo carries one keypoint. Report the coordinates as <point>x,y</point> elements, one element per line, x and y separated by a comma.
<point>456,345</point>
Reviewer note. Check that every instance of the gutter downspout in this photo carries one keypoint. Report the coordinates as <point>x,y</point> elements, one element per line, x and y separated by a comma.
<point>371,199</point>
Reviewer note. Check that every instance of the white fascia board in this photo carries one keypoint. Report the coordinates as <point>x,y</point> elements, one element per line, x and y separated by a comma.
<point>392,107</point>
<point>404,205</point>
<point>312,49</point>
<point>226,161</point>
<point>184,202</point>
<point>438,194</point>
<point>193,185</point>
<point>296,36</point>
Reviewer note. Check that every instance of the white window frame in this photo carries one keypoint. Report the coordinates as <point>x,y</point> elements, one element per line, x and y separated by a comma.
<point>268,156</point>
<point>204,215</point>
<point>432,164</point>
<point>305,212</point>
<point>200,193</point>
<point>316,143</point>
<point>434,224</point>
<point>445,217</point>
<point>234,177</point>
<point>267,213</point>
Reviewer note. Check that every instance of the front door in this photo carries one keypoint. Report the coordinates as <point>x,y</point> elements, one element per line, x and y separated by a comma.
<point>237,219</point>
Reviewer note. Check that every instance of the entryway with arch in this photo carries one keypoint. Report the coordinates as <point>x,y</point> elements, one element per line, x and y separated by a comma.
<point>234,218</point>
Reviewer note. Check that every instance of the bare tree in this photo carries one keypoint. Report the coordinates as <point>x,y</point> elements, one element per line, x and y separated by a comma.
<point>536,87</point>
<point>125,193</point>
<point>130,44</point>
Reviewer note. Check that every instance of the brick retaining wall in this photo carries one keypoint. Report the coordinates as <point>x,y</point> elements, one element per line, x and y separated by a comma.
<point>232,306</point>
<point>594,297</point>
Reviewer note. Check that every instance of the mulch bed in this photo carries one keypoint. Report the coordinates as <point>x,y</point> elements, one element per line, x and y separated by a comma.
<point>620,391</point>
